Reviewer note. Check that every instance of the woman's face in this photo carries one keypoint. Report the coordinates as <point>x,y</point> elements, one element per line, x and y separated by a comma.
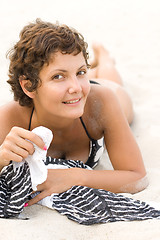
<point>65,86</point>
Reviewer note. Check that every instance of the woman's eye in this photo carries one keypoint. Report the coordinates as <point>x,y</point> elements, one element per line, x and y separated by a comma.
<point>81,72</point>
<point>58,76</point>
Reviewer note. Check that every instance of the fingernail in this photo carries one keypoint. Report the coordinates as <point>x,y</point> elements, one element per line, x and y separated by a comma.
<point>45,148</point>
<point>26,205</point>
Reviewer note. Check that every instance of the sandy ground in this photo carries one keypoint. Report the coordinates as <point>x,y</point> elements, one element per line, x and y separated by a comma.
<point>131,32</point>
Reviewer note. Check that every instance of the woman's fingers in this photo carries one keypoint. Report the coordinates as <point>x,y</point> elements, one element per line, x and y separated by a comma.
<point>25,134</point>
<point>38,198</point>
<point>18,144</point>
<point>9,155</point>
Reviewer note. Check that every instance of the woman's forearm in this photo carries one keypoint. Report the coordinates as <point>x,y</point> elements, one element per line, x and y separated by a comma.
<point>60,180</point>
<point>113,180</point>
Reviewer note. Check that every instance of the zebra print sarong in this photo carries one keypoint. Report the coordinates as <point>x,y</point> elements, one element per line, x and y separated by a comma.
<point>82,204</point>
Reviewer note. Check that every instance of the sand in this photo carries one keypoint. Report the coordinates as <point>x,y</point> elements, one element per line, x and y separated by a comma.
<point>131,32</point>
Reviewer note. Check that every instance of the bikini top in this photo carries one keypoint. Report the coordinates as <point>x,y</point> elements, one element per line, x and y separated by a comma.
<point>96,146</point>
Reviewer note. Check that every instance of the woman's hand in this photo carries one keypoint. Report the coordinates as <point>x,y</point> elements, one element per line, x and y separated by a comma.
<point>58,180</point>
<point>16,146</point>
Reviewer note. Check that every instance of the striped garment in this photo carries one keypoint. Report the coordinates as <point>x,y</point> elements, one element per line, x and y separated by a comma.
<point>82,204</point>
<point>15,189</point>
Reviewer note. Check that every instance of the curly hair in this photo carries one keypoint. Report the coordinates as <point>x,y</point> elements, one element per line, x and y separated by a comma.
<point>37,42</point>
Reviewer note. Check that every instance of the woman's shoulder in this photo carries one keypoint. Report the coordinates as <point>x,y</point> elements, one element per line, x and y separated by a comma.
<point>98,107</point>
<point>101,98</point>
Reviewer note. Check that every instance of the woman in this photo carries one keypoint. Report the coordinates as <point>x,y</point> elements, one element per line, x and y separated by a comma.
<point>50,79</point>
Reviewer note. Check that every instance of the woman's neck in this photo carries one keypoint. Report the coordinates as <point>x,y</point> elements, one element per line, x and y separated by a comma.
<point>52,122</point>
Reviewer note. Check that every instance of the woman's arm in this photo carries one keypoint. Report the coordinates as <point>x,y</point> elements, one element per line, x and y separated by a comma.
<point>14,144</point>
<point>129,171</point>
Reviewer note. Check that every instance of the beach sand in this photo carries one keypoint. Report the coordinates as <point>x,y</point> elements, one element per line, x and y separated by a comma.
<point>130,30</point>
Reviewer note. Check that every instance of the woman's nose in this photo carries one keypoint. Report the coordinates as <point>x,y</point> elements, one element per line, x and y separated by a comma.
<point>74,85</point>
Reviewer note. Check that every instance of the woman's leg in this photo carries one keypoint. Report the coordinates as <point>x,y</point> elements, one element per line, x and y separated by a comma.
<point>103,66</point>
<point>104,72</point>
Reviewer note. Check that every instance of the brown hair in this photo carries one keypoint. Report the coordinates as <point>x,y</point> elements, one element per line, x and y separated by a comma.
<point>37,42</point>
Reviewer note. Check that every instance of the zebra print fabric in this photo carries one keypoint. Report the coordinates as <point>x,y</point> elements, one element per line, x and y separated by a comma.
<point>90,206</point>
<point>81,204</point>
<point>15,189</point>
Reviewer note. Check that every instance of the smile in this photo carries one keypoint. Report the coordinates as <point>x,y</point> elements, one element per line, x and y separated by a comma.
<point>72,101</point>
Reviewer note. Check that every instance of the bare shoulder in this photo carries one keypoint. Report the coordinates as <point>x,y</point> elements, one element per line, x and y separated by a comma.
<point>103,101</point>
<point>102,109</point>
<point>103,92</point>
<point>12,114</point>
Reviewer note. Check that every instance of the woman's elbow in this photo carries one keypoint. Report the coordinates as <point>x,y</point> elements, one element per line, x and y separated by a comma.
<point>136,186</point>
<point>141,184</point>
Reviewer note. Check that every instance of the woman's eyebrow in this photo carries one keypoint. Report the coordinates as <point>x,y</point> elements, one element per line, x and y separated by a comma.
<point>63,70</point>
<point>60,70</point>
<point>84,65</point>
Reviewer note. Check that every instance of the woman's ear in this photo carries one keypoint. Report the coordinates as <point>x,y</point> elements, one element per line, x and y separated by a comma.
<point>25,85</point>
